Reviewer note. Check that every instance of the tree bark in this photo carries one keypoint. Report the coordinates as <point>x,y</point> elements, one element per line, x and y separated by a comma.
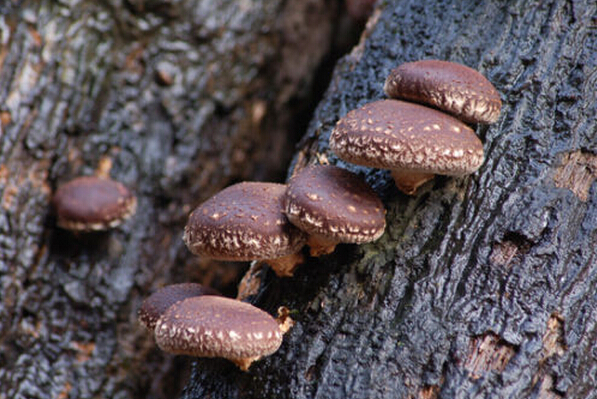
<point>178,98</point>
<point>482,286</point>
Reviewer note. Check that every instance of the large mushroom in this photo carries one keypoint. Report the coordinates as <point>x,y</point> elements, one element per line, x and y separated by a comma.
<point>156,304</point>
<point>413,141</point>
<point>245,222</point>
<point>451,87</point>
<point>91,203</point>
<point>333,206</point>
<point>212,326</point>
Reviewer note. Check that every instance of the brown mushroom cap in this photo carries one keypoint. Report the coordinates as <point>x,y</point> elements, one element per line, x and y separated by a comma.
<point>93,203</point>
<point>453,88</point>
<point>243,222</point>
<point>213,326</point>
<point>392,134</point>
<point>158,302</point>
<point>334,203</point>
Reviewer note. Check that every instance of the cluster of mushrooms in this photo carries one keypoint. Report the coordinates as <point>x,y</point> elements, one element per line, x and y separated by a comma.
<point>320,206</point>
<point>428,136</point>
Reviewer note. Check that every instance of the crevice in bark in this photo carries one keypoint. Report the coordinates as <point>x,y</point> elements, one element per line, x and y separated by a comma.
<point>487,353</point>
<point>577,172</point>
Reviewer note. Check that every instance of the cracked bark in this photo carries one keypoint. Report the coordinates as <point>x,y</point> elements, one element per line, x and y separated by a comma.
<point>180,98</point>
<point>481,286</point>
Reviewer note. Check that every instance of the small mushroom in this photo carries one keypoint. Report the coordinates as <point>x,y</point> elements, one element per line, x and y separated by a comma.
<point>91,203</point>
<point>413,141</point>
<point>333,206</point>
<point>453,88</point>
<point>213,326</point>
<point>158,302</point>
<point>245,222</point>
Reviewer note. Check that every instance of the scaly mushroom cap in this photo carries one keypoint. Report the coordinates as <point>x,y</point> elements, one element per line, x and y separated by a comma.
<point>334,203</point>
<point>213,326</point>
<point>157,303</point>
<point>93,203</point>
<point>453,88</point>
<point>243,222</point>
<point>392,134</point>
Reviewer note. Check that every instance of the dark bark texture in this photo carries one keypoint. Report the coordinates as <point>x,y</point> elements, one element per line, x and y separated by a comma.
<point>177,98</point>
<point>482,286</point>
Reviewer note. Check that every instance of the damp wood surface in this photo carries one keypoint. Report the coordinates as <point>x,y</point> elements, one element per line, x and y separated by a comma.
<point>176,99</point>
<point>482,286</point>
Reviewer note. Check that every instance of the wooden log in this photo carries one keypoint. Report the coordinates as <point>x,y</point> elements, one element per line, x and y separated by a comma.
<point>174,98</point>
<point>482,286</point>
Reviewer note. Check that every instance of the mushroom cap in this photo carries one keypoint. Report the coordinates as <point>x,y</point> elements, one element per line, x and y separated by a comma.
<point>243,222</point>
<point>93,203</point>
<point>157,303</point>
<point>334,203</point>
<point>453,88</point>
<point>392,134</point>
<point>214,326</point>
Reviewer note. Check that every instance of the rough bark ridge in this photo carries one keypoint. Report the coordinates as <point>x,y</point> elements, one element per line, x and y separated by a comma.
<point>482,286</point>
<point>180,97</point>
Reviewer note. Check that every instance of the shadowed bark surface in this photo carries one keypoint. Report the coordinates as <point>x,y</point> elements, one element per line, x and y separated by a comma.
<point>177,99</point>
<point>482,286</point>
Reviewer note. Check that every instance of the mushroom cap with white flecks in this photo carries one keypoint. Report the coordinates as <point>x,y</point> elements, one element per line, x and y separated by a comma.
<point>90,203</point>
<point>451,87</point>
<point>332,202</point>
<point>243,222</point>
<point>214,326</point>
<point>393,134</point>
<point>157,303</point>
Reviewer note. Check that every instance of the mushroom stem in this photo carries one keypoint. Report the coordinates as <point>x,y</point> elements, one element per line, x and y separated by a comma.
<point>409,181</point>
<point>251,281</point>
<point>284,320</point>
<point>285,266</point>
<point>104,167</point>
<point>320,245</point>
<point>245,362</point>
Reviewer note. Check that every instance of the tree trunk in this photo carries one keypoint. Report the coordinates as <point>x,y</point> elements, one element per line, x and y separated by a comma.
<point>482,286</point>
<point>178,98</point>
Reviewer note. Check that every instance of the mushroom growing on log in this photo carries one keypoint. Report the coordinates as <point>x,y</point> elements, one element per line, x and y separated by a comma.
<point>245,222</point>
<point>156,304</point>
<point>91,203</point>
<point>502,264</point>
<point>482,287</point>
<point>448,86</point>
<point>213,326</point>
<point>413,141</point>
<point>185,98</point>
<point>333,206</point>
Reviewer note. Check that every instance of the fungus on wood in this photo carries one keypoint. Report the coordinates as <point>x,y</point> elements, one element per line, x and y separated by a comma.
<point>185,97</point>
<point>409,307</point>
<point>333,205</point>
<point>245,222</point>
<point>418,313</point>
<point>448,86</point>
<point>91,203</point>
<point>154,306</point>
<point>413,141</point>
<point>214,326</point>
